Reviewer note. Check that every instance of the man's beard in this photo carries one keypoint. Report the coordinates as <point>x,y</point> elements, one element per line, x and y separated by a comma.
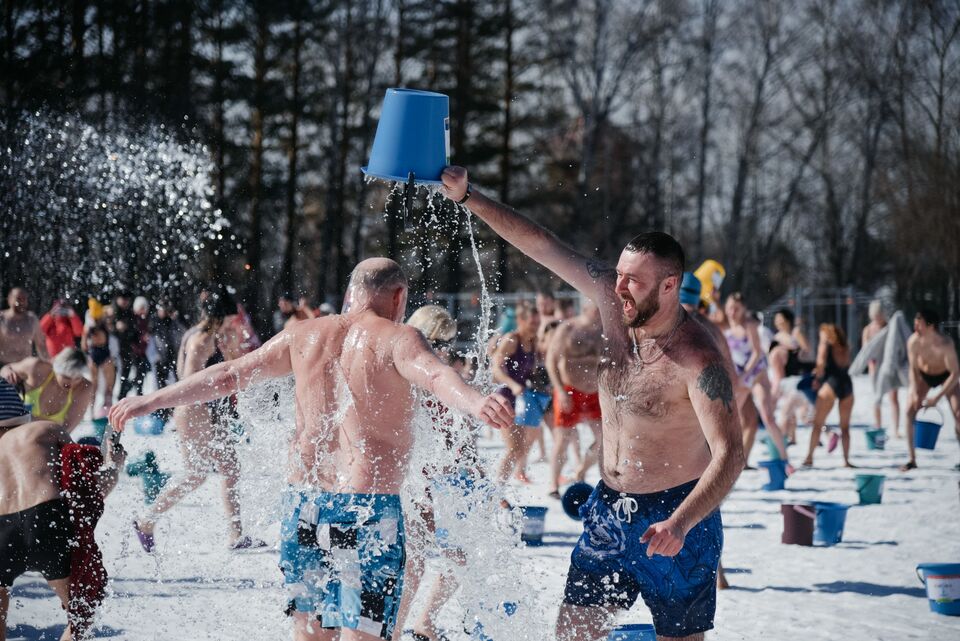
<point>645,310</point>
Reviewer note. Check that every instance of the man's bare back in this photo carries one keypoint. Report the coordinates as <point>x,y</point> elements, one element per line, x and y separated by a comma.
<point>348,390</point>
<point>29,460</point>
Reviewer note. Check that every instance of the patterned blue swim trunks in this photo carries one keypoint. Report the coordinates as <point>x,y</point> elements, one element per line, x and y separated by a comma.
<point>609,566</point>
<point>342,558</point>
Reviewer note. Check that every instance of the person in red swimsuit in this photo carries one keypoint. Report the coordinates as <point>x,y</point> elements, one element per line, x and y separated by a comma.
<point>572,360</point>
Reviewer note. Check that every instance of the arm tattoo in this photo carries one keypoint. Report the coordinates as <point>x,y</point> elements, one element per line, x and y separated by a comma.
<point>715,383</point>
<point>598,269</point>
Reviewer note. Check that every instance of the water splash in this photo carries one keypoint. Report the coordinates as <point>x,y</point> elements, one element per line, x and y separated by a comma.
<point>87,209</point>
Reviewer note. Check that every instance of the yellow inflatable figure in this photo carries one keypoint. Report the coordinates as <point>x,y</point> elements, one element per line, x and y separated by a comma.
<point>711,275</point>
<point>96,308</point>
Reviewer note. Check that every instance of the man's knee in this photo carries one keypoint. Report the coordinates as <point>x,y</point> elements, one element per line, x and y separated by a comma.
<point>578,623</point>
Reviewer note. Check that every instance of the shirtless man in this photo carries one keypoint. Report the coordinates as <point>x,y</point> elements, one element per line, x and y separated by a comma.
<point>933,363</point>
<point>342,539</point>
<point>671,448</point>
<point>20,330</point>
<point>35,522</point>
<point>572,360</point>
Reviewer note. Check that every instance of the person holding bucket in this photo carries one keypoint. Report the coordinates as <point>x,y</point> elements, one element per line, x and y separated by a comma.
<point>833,385</point>
<point>671,447</point>
<point>513,365</point>
<point>933,364</point>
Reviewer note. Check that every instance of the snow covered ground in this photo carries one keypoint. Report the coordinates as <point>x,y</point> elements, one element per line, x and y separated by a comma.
<point>862,589</point>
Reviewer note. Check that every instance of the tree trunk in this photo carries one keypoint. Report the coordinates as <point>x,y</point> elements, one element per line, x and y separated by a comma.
<point>506,164</point>
<point>255,178</point>
<point>78,27</point>
<point>745,162</point>
<point>286,273</point>
<point>710,9</point>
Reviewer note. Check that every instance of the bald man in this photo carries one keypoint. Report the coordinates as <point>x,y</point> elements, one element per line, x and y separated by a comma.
<point>20,330</point>
<point>342,547</point>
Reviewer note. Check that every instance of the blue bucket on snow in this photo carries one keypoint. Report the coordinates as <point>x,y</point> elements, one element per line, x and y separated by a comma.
<point>533,518</point>
<point>777,469</point>
<point>870,488</point>
<point>633,632</point>
<point>575,496</point>
<point>149,425</point>
<point>925,432</point>
<point>831,517</point>
<point>413,136</point>
<point>530,407</point>
<point>876,439</point>
<point>942,581</point>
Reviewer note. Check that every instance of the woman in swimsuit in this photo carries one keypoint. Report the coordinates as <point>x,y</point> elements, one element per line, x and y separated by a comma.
<point>788,344</point>
<point>204,431</point>
<point>96,343</point>
<point>743,337</point>
<point>514,363</point>
<point>833,385</point>
<point>57,391</point>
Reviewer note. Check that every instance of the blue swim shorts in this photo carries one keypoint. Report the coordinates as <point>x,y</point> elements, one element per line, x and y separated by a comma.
<point>342,558</point>
<point>609,566</point>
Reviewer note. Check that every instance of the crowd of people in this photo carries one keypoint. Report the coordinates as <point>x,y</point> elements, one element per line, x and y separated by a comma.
<point>669,380</point>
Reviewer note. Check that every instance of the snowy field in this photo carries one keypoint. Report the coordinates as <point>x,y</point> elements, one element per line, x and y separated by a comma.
<point>862,589</point>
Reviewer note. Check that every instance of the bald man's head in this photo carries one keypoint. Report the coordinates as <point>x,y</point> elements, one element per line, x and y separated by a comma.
<point>379,284</point>
<point>377,275</point>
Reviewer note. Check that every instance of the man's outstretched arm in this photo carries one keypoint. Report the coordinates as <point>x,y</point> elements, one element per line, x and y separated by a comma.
<point>269,361</point>
<point>417,363</point>
<point>589,276</point>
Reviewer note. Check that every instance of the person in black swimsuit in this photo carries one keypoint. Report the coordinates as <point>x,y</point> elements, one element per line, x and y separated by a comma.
<point>833,384</point>
<point>933,364</point>
<point>96,342</point>
<point>204,431</point>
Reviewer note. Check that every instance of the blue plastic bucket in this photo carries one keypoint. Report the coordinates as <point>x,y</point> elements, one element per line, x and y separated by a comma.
<point>149,425</point>
<point>831,517</point>
<point>633,632</point>
<point>575,496</point>
<point>876,439</point>
<point>533,518</point>
<point>530,407</point>
<point>943,586</point>
<point>99,427</point>
<point>925,432</point>
<point>413,135</point>
<point>777,469</point>
<point>870,488</point>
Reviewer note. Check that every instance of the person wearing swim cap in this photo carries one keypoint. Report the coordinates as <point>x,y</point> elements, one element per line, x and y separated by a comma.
<point>59,391</point>
<point>671,444</point>
<point>342,539</point>
<point>933,364</point>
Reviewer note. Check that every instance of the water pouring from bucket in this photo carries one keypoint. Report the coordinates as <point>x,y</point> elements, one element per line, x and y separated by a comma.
<point>412,143</point>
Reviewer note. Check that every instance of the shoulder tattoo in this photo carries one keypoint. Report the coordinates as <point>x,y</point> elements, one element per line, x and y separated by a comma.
<point>598,269</point>
<point>715,383</point>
